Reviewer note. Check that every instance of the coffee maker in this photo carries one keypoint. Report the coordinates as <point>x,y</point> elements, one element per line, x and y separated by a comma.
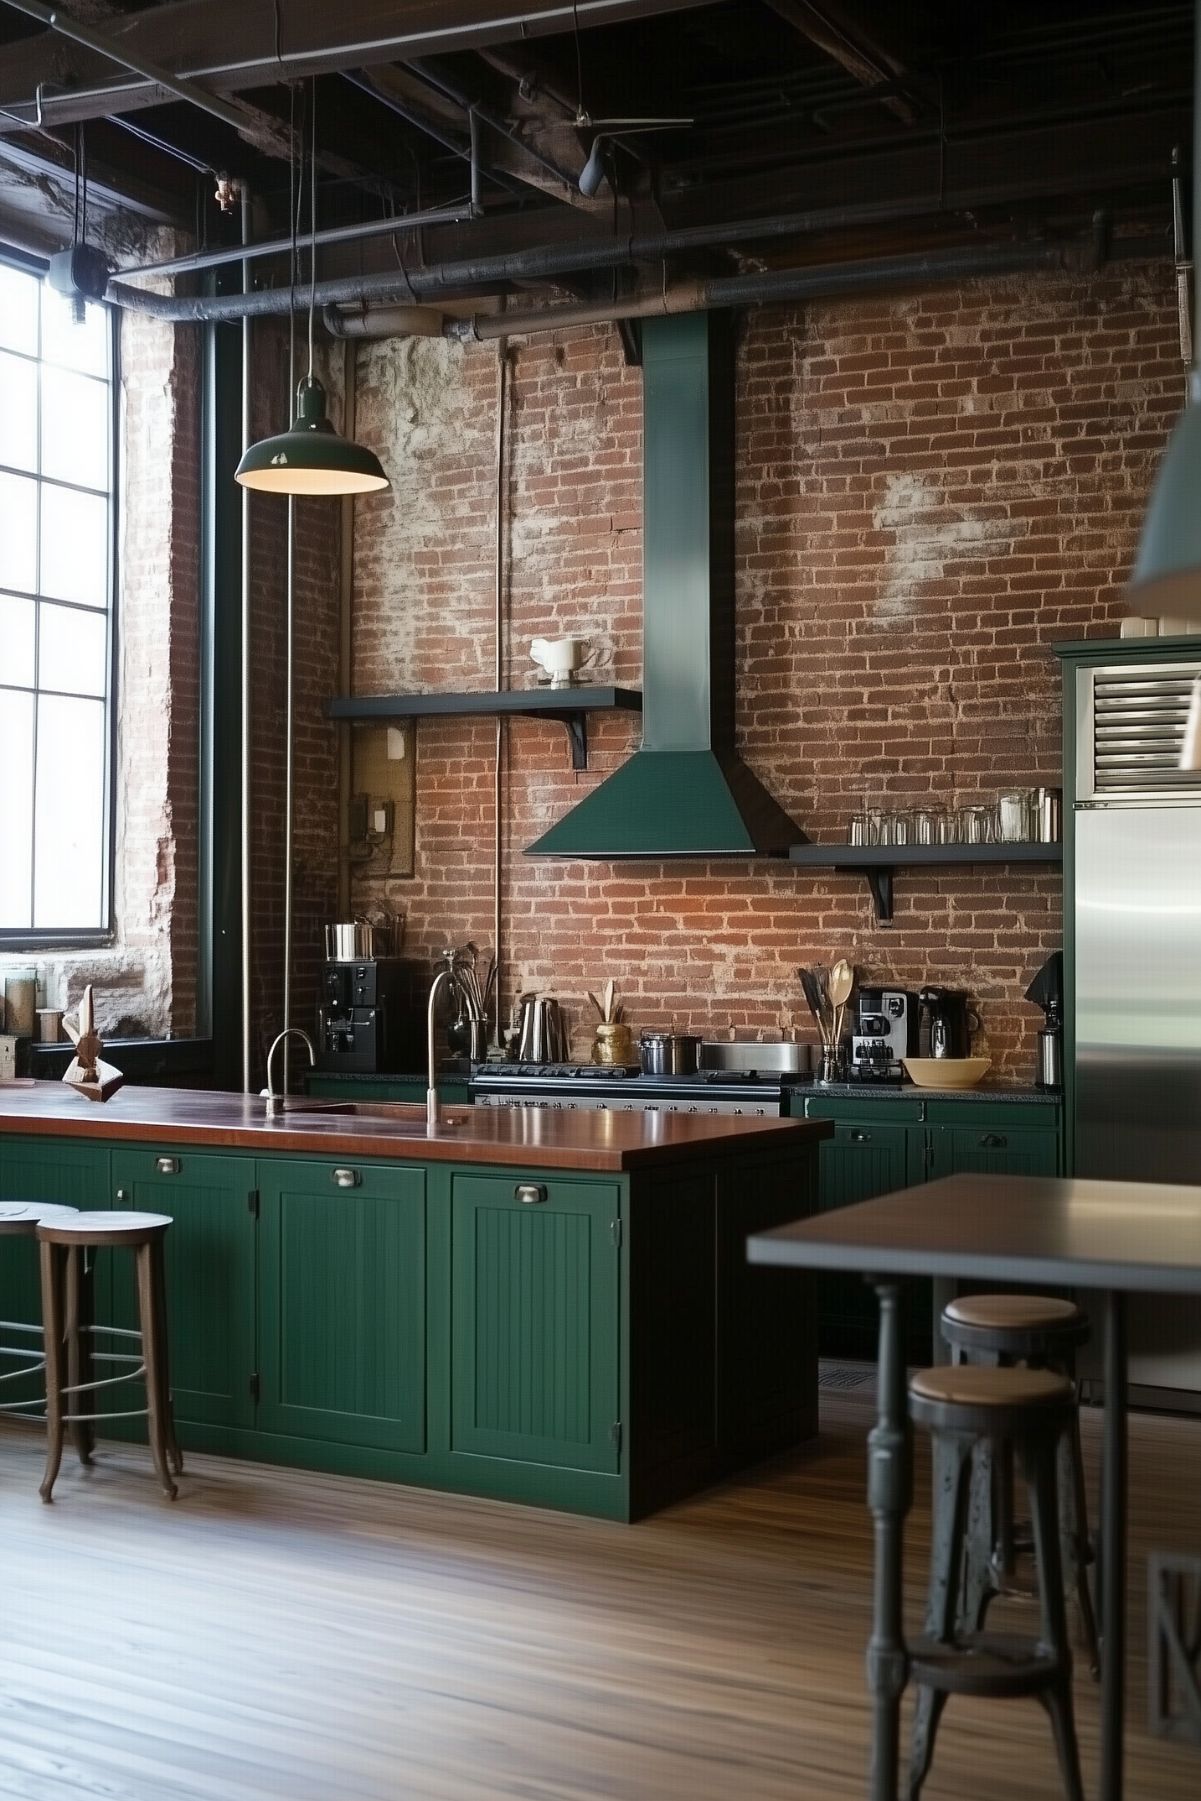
<point>885,1031</point>
<point>952,1021</point>
<point>371,1016</point>
<point>1046,991</point>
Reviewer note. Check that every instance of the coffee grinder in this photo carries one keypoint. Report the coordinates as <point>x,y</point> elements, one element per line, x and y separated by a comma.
<point>1046,991</point>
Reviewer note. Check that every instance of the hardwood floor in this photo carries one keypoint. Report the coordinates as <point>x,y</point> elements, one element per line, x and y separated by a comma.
<point>277,1636</point>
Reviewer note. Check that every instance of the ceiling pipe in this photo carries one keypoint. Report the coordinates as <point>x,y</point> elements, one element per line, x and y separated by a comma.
<point>179,85</point>
<point>333,234</point>
<point>818,281</point>
<point>542,263</point>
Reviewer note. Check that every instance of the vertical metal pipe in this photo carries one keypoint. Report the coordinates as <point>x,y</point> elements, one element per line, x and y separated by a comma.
<point>502,401</point>
<point>345,633</point>
<point>889,1491</point>
<point>289,774</point>
<point>246,664</point>
<point>1113,1551</point>
<point>474,126</point>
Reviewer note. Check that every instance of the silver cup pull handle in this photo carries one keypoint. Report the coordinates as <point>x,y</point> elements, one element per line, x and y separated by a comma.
<point>531,1193</point>
<point>346,1178</point>
<point>168,1166</point>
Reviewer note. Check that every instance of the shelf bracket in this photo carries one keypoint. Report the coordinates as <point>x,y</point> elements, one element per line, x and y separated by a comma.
<point>879,880</point>
<point>577,732</point>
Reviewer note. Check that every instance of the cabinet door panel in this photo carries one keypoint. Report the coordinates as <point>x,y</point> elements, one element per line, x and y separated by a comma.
<point>209,1258</point>
<point>993,1150</point>
<point>534,1334</point>
<point>38,1170</point>
<point>342,1298</point>
<point>863,1159</point>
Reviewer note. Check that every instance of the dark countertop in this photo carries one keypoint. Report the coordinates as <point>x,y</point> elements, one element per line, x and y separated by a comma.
<point>519,1136</point>
<point>909,1091</point>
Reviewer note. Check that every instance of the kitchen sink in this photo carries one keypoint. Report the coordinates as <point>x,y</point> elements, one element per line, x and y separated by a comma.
<point>395,1112</point>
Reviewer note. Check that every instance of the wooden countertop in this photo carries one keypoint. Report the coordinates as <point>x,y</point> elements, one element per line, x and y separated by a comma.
<point>527,1136</point>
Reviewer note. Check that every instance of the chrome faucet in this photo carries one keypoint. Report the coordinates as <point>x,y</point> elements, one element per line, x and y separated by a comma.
<point>433,1110</point>
<point>275,1102</point>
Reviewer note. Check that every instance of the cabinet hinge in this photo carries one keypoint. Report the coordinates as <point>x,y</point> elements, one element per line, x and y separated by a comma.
<point>615,1231</point>
<point>252,1201</point>
<point>255,1386</point>
<point>615,1434</point>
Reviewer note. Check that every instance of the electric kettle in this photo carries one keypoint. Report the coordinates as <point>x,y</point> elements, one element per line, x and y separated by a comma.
<point>543,1037</point>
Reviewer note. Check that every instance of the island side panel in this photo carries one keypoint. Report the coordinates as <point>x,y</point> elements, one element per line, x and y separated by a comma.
<point>722,1367</point>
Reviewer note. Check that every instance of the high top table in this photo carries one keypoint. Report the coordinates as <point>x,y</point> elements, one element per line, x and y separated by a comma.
<point>1116,1237</point>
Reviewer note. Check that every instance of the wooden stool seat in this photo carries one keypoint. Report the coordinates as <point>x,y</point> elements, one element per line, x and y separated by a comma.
<point>966,1407</point>
<point>104,1229</point>
<point>20,1219</point>
<point>1012,1310</point>
<point>69,1329</point>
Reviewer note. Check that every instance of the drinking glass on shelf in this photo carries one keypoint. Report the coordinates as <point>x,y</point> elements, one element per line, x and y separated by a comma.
<point>926,825</point>
<point>886,826</point>
<point>858,828</point>
<point>903,826</point>
<point>977,825</point>
<point>1013,816</point>
<point>948,826</point>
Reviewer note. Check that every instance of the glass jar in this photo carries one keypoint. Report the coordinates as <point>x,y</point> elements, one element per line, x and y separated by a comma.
<point>20,1000</point>
<point>1013,816</point>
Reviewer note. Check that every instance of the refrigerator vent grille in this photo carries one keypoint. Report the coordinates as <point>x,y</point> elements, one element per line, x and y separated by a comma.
<point>1138,728</point>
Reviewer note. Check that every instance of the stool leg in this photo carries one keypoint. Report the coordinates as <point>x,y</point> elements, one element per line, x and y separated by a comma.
<point>1073,1508</point>
<point>1038,1461</point>
<point>52,1335</point>
<point>164,1354</point>
<point>951,1457</point>
<point>979,1587</point>
<point>157,1404</point>
<point>79,1350</point>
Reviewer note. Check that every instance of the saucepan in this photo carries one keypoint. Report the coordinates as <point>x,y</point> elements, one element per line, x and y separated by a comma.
<point>357,941</point>
<point>670,1053</point>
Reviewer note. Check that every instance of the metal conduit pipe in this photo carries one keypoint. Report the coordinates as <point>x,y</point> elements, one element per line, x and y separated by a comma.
<point>246,654</point>
<point>542,262</point>
<point>389,226</point>
<point>819,281</point>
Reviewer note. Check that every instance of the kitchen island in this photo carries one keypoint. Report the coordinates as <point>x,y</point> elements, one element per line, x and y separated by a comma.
<point>538,1306</point>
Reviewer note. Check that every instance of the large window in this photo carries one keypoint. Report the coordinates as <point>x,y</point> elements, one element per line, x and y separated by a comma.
<point>56,613</point>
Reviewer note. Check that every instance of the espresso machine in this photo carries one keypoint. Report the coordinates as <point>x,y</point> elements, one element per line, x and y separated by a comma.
<point>371,1016</point>
<point>886,1029</point>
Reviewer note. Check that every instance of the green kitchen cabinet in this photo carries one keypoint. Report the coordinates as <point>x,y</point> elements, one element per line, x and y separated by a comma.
<point>209,1257</point>
<point>39,1169</point>
<point>342,1314</point>
<point>535,1321</point>
<point>333,1087</point>
<point>866,1156</point>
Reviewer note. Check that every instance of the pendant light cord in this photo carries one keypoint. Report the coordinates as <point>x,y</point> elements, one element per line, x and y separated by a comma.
<point>312,218</point>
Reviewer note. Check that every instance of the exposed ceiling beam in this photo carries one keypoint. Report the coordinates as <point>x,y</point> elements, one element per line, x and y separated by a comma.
<point>194,39</point>
<point>853,47</point>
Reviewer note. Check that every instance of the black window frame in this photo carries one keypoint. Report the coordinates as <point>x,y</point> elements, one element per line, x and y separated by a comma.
<point>29,938</point>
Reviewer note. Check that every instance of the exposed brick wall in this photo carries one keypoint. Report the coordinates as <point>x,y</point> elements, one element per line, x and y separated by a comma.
<point>932,490</point>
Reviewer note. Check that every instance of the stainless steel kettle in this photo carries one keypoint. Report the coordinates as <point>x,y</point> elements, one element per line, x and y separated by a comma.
<point>543,1037</point>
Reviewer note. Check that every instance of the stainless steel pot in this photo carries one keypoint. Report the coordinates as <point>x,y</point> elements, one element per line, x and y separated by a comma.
<point>356,941</point>
<point>670,1053</point>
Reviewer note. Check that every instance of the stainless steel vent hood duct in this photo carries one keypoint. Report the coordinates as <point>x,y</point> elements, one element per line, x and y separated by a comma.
<point>686,792</point>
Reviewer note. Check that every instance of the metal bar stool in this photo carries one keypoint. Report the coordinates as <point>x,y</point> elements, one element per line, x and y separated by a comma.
<point>1042,1332</point>
<point>962,1406</point>
<point>19,1219</point>
<point>67,1315</point>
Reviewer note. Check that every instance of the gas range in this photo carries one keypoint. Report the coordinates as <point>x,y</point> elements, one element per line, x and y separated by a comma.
<point>626,1090</point>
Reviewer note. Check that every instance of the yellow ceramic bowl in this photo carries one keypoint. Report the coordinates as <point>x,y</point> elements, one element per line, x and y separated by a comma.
<point>947,1072</point>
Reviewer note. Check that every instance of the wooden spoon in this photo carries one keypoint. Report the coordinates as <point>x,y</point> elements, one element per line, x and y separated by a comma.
<point>610,987</point>
<point>841,983</point>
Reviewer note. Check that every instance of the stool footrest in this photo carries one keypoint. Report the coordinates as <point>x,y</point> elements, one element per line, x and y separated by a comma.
<point>984,1663</point>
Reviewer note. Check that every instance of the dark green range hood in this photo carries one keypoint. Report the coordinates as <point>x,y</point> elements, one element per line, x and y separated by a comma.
<point>686,792</point>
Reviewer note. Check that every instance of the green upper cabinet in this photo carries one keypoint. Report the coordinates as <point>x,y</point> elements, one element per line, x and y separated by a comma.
<point>535,1321</point>
<point>342,1303</point>
<point>992,1150</point>
<point>209,1257</point>
<point>39,1169</point>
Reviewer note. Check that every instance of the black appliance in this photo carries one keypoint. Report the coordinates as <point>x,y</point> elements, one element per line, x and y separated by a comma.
<point>371,1017</point>
<point>1046,991</point>
<point>952,1021</point>
<point>621,1089</point>
<point>886,1029</point>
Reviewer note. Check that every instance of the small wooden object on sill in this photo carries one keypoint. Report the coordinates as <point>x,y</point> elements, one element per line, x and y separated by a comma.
<point>87,1073</point>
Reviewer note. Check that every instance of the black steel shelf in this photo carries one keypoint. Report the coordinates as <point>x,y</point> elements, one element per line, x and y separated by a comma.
<point>569,706</point>
<point>878,863</point>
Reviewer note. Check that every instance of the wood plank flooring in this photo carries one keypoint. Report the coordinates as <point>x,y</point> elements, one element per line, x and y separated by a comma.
<point>280,1636</point>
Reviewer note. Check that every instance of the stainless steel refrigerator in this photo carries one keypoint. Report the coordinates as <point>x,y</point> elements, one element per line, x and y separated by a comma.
<point>1136,908</point>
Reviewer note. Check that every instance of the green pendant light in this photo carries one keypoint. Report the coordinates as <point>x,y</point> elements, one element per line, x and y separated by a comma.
<point>1167,570</point>
<point>310,458</point>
